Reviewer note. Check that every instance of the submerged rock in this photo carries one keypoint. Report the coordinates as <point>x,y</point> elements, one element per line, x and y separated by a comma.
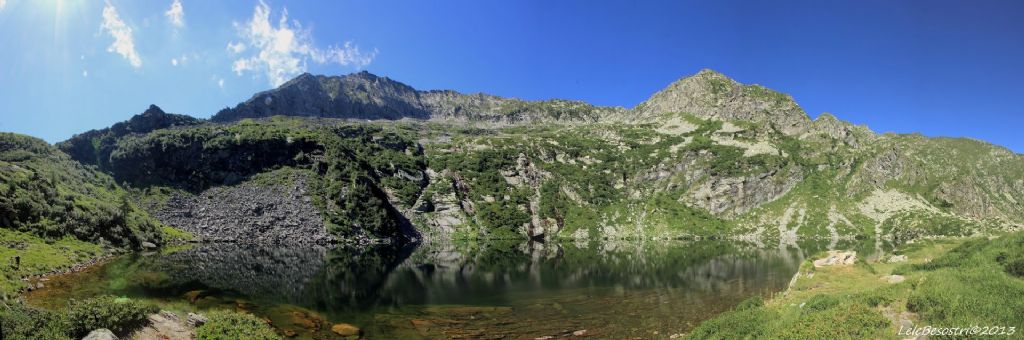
<point>345,329</point>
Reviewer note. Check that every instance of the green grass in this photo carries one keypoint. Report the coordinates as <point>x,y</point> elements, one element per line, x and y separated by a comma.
<point>949,283</point>
<point>38,255</point>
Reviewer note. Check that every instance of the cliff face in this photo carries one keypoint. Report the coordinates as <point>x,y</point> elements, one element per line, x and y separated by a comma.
<point>366,96</point>
<point>707,156</point>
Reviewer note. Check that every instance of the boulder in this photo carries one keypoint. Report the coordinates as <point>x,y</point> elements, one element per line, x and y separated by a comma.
<point>837,258</point>
<point>898,258</point>
<point>100,334</point>
<point>196,320</point>
<point>893,278</point>
<point>148,245</point>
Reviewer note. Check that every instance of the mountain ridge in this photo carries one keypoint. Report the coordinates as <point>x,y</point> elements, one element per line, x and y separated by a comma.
<point>705,157</point>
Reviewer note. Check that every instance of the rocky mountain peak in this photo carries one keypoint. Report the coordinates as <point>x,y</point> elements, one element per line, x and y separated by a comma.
<point>153,110</point>
<point>712,95</point>
<point>364,95</point>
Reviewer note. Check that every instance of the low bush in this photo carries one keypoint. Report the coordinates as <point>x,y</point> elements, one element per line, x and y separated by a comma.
<point>224,325</point>
<point>19,322</point>
<point>752,322</point>
<point>844,321</point>
<point>119,315</point>
<point>819,303</point>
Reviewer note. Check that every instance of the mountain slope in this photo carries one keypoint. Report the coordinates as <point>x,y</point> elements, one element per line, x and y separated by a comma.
<point>707,156</point>
<point>94,146</point>
<point>47,194</point>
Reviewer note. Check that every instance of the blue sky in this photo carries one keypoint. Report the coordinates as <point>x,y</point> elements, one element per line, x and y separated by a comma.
<point>942,68</point>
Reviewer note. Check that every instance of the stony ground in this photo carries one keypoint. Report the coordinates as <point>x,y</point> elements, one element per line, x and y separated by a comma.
<point>250,212</point>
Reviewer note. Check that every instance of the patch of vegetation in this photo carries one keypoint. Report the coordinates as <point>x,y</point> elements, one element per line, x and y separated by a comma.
<point>23,254</point>
<point>225,325</point>
<point>20,322</point>
<point>119,315</point>
<point>47,194</point>
<point>948,284</point>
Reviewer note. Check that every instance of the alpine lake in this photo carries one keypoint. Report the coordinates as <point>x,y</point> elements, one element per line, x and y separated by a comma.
<point>482,290</point>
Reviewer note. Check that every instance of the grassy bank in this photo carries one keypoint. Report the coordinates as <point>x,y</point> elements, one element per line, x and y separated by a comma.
<point>38,256</point>
<point>946,283</point>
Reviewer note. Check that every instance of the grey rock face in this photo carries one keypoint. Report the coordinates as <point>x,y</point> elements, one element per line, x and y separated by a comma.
<point>196,320</point>
<point>248,213</point>
<point>711,95</point>
<point>737,195</point>
<point>831,127</point>
<point>366,96</point>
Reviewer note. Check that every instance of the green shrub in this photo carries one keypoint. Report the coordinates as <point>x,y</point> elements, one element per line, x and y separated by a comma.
<point>751,303</point>
<point>119,315</point>
<point>22,322</point>
<point>737,324</point>
<point>820,302</point>
<point>224,325</point>
<point>846,321</point>
<point>1015,267</point>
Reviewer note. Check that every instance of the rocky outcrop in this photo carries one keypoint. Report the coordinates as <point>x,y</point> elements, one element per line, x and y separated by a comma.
<point>164,325</point>
<point>711,95</point>
<point>94,146</point>
<point>250,212</point>
<point>829,127</point>
<point>837,258</point>
<point>366,96</point>
<point>737,195</point>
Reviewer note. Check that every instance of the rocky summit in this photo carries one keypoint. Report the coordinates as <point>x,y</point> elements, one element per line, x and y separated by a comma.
<point>366,159</point>
<point>366,96</point>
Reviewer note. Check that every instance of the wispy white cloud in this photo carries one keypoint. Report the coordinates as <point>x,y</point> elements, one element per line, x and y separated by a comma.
<point>176,14</point>
<point>123,42</point>
<point>236,47</point>
<point>180,60</point>
<point>85,73</point>
<point>282,52</point>
<point>3,3</point>
<point>220,83</point>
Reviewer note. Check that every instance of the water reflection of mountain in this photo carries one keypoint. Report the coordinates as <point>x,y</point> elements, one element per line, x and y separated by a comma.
<point>280,273</point>
<point>344,280</point>
<point>446,274</point>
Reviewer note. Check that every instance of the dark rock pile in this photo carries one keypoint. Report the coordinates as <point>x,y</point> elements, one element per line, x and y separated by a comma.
<point>249,212</point>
